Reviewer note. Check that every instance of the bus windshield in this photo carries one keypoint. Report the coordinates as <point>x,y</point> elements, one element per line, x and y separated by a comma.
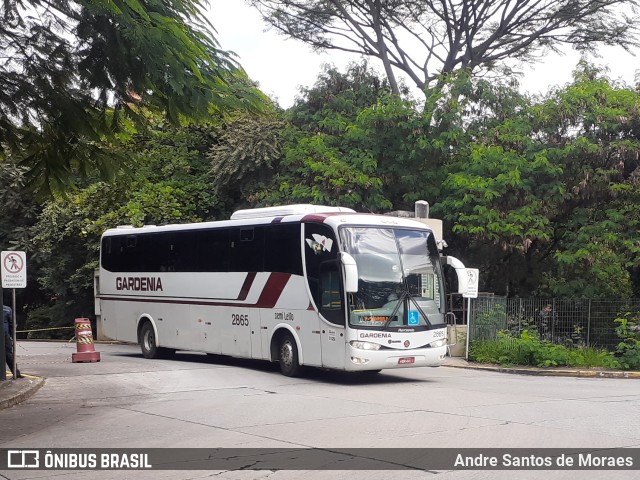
<point>400,280</point>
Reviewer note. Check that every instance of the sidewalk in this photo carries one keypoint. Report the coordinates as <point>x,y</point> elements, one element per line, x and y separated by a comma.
<point>13,392</point>
<point>459,362</point>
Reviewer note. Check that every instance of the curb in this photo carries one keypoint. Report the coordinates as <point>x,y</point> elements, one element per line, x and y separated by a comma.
<point>14,393</point>
<point>552,373</point>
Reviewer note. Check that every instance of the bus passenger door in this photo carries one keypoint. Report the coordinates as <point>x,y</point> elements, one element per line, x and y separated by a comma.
<point>332,316</point>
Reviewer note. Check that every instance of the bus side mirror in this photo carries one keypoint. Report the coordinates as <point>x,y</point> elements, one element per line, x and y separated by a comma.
<point>350,272</point>
<point>461,272</point>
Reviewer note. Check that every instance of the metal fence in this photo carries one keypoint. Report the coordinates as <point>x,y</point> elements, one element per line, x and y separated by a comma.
<point>567,321</point>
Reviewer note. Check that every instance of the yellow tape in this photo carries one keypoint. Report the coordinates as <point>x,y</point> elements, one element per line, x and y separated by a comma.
<point>43,329</point>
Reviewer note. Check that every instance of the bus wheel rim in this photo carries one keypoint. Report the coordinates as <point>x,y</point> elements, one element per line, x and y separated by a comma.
<point>287,353</point>
<point>148,339</point>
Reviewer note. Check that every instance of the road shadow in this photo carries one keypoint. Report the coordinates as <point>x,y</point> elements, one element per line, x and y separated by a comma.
<point>308,373</point>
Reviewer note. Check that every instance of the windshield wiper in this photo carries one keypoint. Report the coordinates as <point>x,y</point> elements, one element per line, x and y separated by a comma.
<point>405,294</point>
<point>426,317</point>
<point>401,298</point>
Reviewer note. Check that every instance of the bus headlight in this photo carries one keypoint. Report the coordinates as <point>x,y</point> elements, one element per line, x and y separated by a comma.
<point>364,345</point>
<point>438,343</point>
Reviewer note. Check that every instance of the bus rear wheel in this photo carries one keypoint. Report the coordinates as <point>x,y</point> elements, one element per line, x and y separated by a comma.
<point>289,363</point>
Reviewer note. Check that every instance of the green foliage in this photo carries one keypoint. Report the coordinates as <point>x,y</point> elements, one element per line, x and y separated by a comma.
<point>529,349</point>
<point>541,194</point>
<point>503,196</point>
<point>19,209</point>
<point>548,196</point>
<point>246,157</point>
<point>166,183</point>
<point>315,171</point>
<point>596,226</point>
<point>396,135</point>
<point>336,99</point>
<point>628,350</point>
<point>326,156</point>
<point>76,74</point>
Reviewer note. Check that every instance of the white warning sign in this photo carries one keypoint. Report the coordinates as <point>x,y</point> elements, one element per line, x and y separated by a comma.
<point>13,269</point>
<point>473,279</point>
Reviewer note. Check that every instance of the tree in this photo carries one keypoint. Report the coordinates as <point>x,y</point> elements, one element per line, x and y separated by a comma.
<point>166,182</point>
<point>18,209</point>
<point>593,129</point>
<point>548,198</point>
<point>74,73</point>
<point>428,39</point>
<point>19,213</point>
<point>326,157</point>
<point>244,160</point>
<point>311,153</point>
<point>339,95</point>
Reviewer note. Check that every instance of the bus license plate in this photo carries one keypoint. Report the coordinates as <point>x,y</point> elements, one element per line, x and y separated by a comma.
<point>406,360</point>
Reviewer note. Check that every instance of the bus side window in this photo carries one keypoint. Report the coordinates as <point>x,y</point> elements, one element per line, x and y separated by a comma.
<point>331,305</point>
<point>130,257</point>
<point>247,234</point>
<point>282,249</point>
<point>247,249</point>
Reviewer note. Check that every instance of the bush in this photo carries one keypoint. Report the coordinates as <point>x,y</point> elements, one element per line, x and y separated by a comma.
<point>627,352</point>
<point>528,349</point>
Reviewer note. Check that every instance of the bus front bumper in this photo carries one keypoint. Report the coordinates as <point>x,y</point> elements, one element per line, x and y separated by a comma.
<point>362,360</point>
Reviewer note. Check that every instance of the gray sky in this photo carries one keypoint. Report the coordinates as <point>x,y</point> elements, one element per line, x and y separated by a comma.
<point>281,65</point>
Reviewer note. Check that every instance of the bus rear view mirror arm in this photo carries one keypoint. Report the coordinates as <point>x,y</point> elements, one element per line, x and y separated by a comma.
<point>460,270</point>
<point>350,273</point>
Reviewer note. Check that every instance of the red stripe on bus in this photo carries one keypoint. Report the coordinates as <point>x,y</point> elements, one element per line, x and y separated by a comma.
<point>246,286</point>
<point>321,217</point>
<point>273,289</point>
<point>315,217</point>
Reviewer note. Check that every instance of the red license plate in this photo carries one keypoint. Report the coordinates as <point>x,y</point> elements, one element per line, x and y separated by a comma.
<point>406,360</point>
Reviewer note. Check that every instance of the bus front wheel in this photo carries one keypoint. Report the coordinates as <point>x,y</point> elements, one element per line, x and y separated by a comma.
<point>289,363</point>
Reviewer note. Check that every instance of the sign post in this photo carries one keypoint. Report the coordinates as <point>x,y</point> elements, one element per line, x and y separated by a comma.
<point>13,269</point>
<point>3,360</point>
<point>473,277</point>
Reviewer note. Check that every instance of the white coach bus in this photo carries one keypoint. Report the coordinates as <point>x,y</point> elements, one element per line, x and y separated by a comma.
<point>299,285</point>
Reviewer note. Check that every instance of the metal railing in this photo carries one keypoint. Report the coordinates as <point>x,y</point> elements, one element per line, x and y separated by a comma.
<point>567,321</point>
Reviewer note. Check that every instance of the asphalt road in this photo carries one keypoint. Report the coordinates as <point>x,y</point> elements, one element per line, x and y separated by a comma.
<point>198,401</point>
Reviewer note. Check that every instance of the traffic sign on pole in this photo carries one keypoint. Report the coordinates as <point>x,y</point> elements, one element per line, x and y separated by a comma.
<point>473,277</point>
<point>13,269</point>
